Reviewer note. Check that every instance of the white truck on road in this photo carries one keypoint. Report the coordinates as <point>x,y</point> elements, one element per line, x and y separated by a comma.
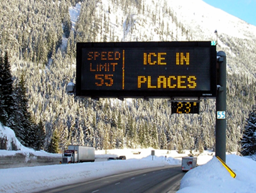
<point>188,163</point>
<point>77,153</point>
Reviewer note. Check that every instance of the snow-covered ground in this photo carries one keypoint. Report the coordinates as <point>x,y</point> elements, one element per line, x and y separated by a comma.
<point>74,14</point>
<point>31,179</point>
<point>210,176</point>
<point>213,177</point>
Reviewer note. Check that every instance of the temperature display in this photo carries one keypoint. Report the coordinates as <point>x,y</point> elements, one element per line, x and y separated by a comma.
<point>185,107</point>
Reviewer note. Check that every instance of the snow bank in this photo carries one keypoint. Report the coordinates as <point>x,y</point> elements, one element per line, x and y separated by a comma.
<point>9,135</point>
<point>213,177</point>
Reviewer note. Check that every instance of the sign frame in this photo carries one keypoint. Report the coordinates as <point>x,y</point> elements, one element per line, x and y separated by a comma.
<point>145,93</point>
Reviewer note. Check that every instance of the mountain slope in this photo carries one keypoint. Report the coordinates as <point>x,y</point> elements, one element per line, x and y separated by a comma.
<point>235,36</point>
<point>114,124</point>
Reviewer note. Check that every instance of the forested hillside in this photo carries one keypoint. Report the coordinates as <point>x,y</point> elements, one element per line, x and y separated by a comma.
<point>41,46</point>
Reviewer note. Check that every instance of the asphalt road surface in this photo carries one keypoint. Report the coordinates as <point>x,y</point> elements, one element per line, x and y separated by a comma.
<point>161,179</point>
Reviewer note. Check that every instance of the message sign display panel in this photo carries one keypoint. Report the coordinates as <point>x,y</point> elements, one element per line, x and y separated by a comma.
<point>185,107</point>
<point>146,69</point>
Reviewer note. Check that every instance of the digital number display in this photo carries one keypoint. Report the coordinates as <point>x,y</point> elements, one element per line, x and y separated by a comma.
<point>146,69</point>
<point>185,107</point>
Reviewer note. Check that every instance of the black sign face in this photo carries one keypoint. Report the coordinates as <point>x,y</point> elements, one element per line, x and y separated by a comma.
<point>146,69</point>
<point>185,107</point>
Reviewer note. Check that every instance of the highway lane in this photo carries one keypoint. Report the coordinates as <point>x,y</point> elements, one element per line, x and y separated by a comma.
<point>161,179</point>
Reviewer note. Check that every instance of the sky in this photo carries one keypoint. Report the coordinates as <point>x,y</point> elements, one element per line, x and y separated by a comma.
<point>243,9</point>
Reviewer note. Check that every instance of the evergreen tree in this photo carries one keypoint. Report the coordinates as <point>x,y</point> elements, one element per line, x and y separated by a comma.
<point>163,144</point>
<point>130,132</point>
<point>141,135</point>
<point>67,25</point>
<point>54,143</point>
<point>25,128</point>
<point>248,141</point>
<point>154,137</point>
<point>39,137</point>
<point>3,113</point>
<point>6,91</point>
<point>119,121</point>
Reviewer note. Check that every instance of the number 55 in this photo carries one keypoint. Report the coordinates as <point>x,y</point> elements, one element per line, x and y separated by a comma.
<point>107,79</point>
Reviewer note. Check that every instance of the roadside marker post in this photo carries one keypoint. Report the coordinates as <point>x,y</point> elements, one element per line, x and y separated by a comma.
<point>232,173</point>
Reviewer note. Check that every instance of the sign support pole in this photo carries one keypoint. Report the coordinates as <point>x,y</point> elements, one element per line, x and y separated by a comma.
<point>221,106</point>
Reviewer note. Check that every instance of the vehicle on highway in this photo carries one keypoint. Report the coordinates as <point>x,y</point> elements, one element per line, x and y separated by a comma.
<point>77,153</point>
<point>188,163</point>
<point>122,157</point>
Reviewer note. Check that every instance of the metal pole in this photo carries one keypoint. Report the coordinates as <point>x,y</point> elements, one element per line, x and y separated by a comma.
<point>221,106</point>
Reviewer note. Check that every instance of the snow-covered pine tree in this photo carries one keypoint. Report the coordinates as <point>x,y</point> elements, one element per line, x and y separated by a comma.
<point>3,113</point>
<point>26,127</point>
<point>248,141</point>
<point>6,91</point>
<point>40,136</point>
<point>54,143</point>
<point>67,24</point>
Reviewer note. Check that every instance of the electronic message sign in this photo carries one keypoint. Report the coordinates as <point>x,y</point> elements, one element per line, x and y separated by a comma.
<point>146,69</point>
<point>185,107</point>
